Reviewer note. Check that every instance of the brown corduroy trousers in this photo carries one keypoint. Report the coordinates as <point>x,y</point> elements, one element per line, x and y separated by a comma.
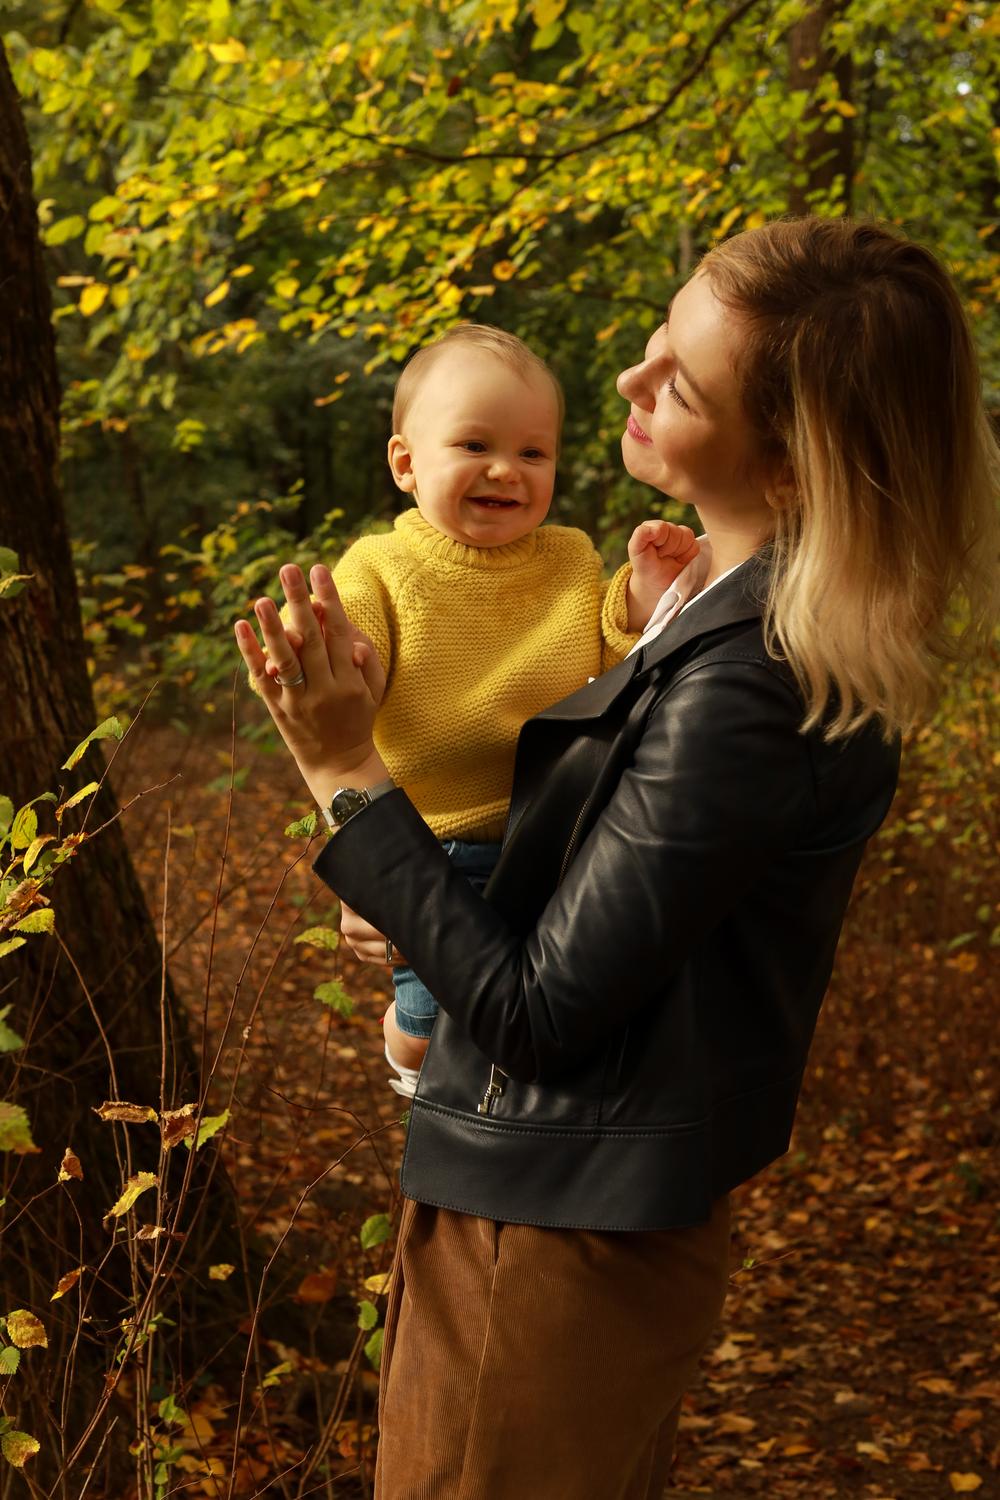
<point>540,1364</point>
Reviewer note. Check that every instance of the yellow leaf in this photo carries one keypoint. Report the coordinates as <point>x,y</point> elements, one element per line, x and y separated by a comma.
<point>844,108</point>
<point>231,51</point>
<point>755,220</point>
<point>220,1272</point>
<point>504,270</point>
<point>964,1484</point>
<point>286,286</point>
<point>18,1447</point>
<point>138,1183</point>
<point>25,1331</point>
<point>92,298</point>
<point>126,1114</point>
<point>729,220</point>
<point>217,294</point>
<point>243,270</point>
<point>379,1283</point>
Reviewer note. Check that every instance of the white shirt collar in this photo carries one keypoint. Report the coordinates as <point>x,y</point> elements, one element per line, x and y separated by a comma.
<point>687,588</point>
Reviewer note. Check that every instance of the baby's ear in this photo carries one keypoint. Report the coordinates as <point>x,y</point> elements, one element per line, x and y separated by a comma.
<point>401,464</point>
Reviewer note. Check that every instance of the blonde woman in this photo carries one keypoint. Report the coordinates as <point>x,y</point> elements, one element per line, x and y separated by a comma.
<point>626,1014</point>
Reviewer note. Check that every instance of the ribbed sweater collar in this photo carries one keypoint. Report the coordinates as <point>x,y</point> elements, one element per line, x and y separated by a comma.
<point>423,539</point>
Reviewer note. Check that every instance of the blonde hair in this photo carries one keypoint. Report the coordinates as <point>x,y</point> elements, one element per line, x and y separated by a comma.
<point>505,346</point>
<point>860,376</point>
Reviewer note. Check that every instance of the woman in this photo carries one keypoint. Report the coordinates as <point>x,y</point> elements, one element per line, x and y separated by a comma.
<point>626,1016</point>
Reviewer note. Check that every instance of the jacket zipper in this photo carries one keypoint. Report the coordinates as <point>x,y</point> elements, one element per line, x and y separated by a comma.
<point>498,1078</point>
<point>493,1089</point>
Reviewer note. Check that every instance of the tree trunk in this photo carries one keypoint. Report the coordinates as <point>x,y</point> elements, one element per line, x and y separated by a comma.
<point>822,149</point>
<point>87,1000</point>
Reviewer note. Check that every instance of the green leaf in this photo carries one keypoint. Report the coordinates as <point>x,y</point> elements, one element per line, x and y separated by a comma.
<point>11,581</point>
<point>107,729</point>
<point>139,1182</point>
<point>209,1126</point>
<point>373,1348</point>
<point>15,1130</point>
<point>6,813</point>
<point>171,1412</point>
<point>34,850</point>
<point>375,1231</point>
<point>42,920</point>
<point>65,229</point>
<point>24,829</point>
<point>367,1315</point>
<point>85,791</point>
<point>18,1447</point>
<point>9,1039</point>
<point>10,1358</point>
<point>302,828</point>
<point>11,946</point>
<point>333,994</point>
<point>320,937</point>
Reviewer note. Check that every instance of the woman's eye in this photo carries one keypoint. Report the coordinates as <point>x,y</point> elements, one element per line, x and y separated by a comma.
<point>675,393</point>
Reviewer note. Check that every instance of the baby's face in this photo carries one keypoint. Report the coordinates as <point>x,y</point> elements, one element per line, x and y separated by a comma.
<point>479,448</point>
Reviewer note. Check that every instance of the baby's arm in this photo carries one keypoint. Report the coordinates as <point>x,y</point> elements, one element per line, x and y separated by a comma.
<point>658,551</point>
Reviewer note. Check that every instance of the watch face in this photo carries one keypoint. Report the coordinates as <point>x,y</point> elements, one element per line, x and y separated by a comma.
<point>346,803</point>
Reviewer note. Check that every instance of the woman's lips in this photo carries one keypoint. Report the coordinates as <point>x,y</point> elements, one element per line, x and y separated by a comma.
<point>634,430</point>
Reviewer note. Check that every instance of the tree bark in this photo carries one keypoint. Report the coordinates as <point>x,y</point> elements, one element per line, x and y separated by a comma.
<point>88,999</point>
<point>822,149</point>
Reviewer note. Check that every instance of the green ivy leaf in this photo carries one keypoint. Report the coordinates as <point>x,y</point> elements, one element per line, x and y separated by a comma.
<point>375,1231</point>
<point>9,1039</point>
<point>333,994</point>
<point>209,1126</point>
<point>367,1315</point>
<point>302,828</point>
<point>320,937</point>
<point>15,1130</point>
<point>107,729</point>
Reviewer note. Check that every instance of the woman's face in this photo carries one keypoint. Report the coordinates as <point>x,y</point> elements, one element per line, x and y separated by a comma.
<point>687,433</point>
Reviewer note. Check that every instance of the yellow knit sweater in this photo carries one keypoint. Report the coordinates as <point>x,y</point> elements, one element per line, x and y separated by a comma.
<point>474,640</point>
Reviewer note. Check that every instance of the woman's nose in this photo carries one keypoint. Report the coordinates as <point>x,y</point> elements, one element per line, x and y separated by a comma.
<point>633,387</point>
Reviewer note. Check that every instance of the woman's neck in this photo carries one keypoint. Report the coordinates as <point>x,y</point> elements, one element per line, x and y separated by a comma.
<point>731,546</point>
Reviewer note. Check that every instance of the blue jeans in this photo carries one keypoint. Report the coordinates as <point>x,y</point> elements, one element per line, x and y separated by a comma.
<point>416,1007</point>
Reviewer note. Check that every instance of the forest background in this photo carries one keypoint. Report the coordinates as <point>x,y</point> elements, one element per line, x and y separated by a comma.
<point>245,217</point>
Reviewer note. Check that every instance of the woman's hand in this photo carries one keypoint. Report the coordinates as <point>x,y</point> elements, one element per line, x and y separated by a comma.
<point>324,696</point>
<point>365,941</point>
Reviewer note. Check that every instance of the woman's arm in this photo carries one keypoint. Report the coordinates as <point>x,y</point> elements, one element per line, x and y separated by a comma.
<point>663,865</point>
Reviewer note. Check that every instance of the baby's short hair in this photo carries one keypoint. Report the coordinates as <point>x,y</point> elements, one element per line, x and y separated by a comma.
<point>506,346</point>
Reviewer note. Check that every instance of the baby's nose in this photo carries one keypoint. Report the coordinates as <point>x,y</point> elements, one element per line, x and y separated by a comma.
<point>502,468</point>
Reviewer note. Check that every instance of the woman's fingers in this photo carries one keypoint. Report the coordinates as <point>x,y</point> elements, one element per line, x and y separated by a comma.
<point>280,652</point>
<point>256,662</point>
<point>366,659</point>
<point>364,940</point>
<point>340,633</point>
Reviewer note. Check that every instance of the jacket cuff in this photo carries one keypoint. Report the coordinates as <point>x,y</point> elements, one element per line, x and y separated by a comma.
<point>618,639</point>
<point>364,859</point>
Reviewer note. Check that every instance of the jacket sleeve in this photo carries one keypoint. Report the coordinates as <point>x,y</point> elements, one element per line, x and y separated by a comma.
<point>720,785</point>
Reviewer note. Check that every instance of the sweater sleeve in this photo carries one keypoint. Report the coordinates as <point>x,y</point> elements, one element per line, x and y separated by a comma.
<point>616,638</point>
<point>366,600</point>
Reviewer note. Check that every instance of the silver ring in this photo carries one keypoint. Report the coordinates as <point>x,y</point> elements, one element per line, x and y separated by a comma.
<point>390,952</point>
<point>291,681</point>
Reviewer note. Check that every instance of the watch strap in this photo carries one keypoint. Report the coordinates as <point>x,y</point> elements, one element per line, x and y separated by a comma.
<point>364,795</point>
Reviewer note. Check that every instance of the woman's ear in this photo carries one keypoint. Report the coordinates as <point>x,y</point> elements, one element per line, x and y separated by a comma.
<point>401,464</point>
<point>782,490</point>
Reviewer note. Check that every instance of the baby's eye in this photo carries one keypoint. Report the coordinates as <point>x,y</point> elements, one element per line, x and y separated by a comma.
<point>533,453</point>
<point>473,446</point>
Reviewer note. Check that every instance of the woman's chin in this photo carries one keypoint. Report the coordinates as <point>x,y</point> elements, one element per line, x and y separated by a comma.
<point>642,465</point>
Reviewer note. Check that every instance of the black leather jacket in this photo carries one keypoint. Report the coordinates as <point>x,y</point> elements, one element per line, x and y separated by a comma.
<point>626,1015</point>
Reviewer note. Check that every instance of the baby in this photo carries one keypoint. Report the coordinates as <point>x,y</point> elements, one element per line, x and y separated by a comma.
<point>481,616</point>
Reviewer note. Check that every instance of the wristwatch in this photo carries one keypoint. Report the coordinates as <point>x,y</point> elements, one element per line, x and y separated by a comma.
<point>348,801</point>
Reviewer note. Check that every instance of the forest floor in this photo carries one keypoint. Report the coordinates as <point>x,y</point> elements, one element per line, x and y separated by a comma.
<point>857,1355</point>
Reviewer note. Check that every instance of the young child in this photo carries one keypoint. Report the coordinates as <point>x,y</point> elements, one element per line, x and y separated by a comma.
<point>480,618</point>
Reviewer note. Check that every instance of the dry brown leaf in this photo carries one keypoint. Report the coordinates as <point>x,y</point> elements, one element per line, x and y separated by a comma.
<point>67,1283</point>
<point>964,1484</point>
<point>937,1385</point>
<point>872,1450</point>
<point>177,1124</point>
<point>126,1114</point>
<point>318,1286</point>
<point>731,1421</point>
<point>70,1167</point>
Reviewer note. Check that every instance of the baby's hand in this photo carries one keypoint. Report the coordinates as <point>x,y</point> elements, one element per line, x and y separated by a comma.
<point>658,551</point>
